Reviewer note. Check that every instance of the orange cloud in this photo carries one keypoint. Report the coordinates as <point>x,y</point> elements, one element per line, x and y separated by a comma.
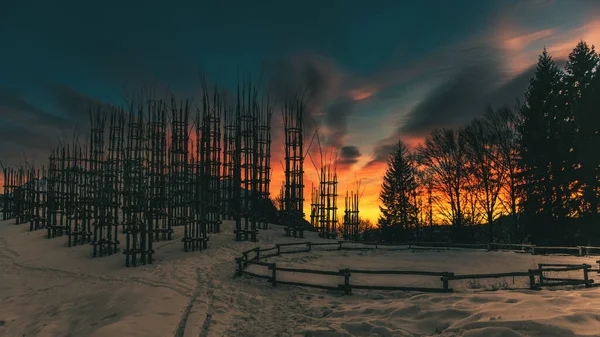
<point>363,93</point>
<point>564,43</point>
<point>521,48</point>
<point>524,40</point>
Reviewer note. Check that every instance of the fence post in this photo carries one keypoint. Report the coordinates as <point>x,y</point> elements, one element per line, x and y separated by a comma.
<point>445,281</point>
<point>532,284</point>
<point>585,275</point>
<point>309,245</point>
<point>278,249</point>
<point>541,275</point>
<point>348,288</point>
<point>239,261</point>
<point>340,244</point>
<point>580,250</point>
<point>273,268</point>
<point>257,250</point>
<point>346,274</point>
<point>245,260</point>
<point>533,252</point>
<point>489,247</point>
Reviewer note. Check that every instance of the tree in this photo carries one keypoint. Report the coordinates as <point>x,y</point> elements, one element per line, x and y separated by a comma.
<point>443,155</point>
<point>364,225</point>
<point>482,153</point>
<point>540,149</point>
<point>397,193</point>
<point>582,97</point>
<point>503,124</point>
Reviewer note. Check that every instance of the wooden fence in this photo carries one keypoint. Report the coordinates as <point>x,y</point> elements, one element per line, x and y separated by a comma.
<point>255,255</point>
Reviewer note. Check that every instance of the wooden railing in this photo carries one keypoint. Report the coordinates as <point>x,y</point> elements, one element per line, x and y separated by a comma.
<point>255,255</point>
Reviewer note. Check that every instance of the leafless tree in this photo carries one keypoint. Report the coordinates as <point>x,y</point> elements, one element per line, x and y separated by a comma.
<point>443,155</point>
<point>503,125</point>
<point>485,168</point>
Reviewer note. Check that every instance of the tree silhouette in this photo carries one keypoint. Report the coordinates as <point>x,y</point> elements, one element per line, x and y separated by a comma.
<point>503,126</point>
<point>483,155</point>
<point>540,151</point>
<point>397,195</point>
<point>582,97</point>
<point>443,154</point>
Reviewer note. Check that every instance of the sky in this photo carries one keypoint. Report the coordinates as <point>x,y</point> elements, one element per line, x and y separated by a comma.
<point>374,71</point>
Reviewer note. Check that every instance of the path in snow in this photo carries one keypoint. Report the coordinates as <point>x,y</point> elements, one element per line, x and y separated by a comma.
<point>47,289</point>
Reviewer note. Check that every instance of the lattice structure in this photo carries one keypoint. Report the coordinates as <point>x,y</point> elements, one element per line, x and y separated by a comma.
<point>280,201</point>
<point>157,215</point>
<point>85,201</point>
<point>228,176</point>
<point>38,182</point>
<point>114,173</point>
<point>328,202</point>
<point>28,199</point>
<point>263,179</point>
<point>293,199</point>
<point>208,135</point>
<point>101,165</point>
<point>71,193</point>
<point>351,219</point>
<point>105,167</point>
<point>315,208</point>
<point>80,205</point>
<point>138,235</point>
<point>52,203</point>
<point>181,182</point>
<point>246,165</point>
<point>10,185</point>
<point>57,193</point>
<point>20,196</point>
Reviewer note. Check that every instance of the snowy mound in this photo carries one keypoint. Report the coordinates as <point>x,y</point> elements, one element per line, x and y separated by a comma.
<point>47,289</point>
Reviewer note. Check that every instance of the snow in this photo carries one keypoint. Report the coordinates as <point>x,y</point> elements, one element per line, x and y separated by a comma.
<point>47,289</point>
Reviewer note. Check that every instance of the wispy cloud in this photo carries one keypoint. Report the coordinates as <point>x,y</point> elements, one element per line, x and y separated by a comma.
<point>348,156</point>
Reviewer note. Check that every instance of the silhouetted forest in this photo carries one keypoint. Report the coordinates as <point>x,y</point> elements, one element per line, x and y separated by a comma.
<point>522,173</point>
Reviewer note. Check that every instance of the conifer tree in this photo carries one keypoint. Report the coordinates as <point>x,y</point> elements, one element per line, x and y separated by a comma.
<point>582,97</point>
<point>540,148</point>
<point>397,194</point>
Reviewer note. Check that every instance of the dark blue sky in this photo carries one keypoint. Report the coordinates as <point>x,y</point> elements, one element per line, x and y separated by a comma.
<point>376,70</point>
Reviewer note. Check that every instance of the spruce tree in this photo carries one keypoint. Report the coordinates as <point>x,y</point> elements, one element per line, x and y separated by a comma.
<point>539,145</point>
<point>582,98</point>
<point>397,194</point>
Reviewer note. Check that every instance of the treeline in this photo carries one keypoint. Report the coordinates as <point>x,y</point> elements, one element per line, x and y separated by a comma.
<point>534,166</point>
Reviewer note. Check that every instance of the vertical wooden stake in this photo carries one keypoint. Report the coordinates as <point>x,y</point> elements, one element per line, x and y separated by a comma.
<point>532,279</point>
<point>273,268</point>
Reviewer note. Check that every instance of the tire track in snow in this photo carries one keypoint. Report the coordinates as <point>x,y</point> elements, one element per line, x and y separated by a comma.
<point>209,311</point>
<point>186,312</point>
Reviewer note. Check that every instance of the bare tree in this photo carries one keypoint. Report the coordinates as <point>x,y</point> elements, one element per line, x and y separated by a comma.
<point>443,154</point>
<point>484,163</point>
<point>503,125</point>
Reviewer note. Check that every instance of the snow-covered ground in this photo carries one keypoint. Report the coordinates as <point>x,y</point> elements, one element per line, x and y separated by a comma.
<point>47,289</point>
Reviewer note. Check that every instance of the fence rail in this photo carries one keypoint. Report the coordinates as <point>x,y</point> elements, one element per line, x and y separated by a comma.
<point>423,245</point>
<point>253,257</point>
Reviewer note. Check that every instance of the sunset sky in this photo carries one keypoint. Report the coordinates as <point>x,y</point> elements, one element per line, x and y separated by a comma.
<point>377,71</point>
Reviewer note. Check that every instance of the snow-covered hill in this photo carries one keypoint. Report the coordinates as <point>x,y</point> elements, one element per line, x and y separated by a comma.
<point>47,289</point>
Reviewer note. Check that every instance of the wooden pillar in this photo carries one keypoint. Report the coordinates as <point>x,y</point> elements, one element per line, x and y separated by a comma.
<point>273,268</point>
<point>585,275</point>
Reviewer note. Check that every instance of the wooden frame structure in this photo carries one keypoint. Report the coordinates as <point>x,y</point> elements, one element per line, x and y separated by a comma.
<point>293,198</point>
<point>328,201</point>
<point>351,216</point>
